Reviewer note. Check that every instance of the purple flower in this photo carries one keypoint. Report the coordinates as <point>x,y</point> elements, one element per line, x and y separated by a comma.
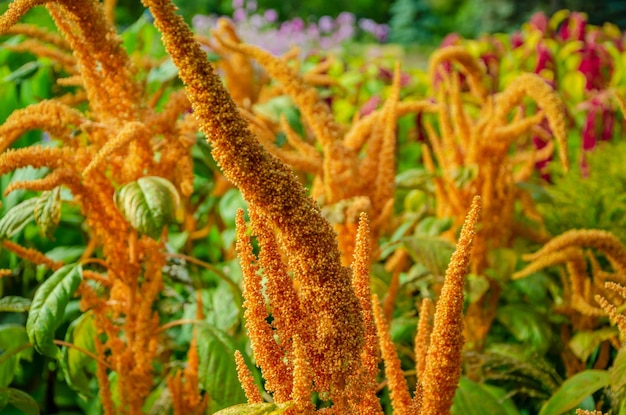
<point>238,4</point>
<point>270,15</point>
<point>239,15</point>
<point>326,24</point>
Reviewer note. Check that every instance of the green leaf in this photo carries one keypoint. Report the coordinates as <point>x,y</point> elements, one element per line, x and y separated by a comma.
<point>618,371</point>
<point>77,366</point>
<point>574,390</point>
<point>17,218</point>
<point>23,72</point>
<point>14,304</point>
<point>48,211</point>
<point>48,307</point>
<point>217,371</point>
<point>470,393</point>
<point>526,325</point>
<point>432,252</point>
<point>256,409</point>
<point>15,347</point>
<point>148,204</point>
<point>584,343</point>
<point>229,204</point>
<point>21,400</point>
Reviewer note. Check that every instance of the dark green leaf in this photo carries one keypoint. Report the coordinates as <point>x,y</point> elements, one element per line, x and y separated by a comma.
<point>148,204</point>
<point>15,347</point>
<point>574,390</point>
<point>217,371</point>
<point>432,252</point>
<point>526,325</point>
<point>21,400</point>
<point>256,409</point>
<point>470,393</point>
<point>14,304</point>
<point>17,218</point>
<point>77,366</point>
<point>48,211</point>
<point>48,307</point>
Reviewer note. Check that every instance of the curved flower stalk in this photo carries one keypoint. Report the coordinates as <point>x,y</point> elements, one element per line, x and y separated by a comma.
<point>470,152</point>
<point>582,287</point>
<point>280,201</point>
<point>346,181</point>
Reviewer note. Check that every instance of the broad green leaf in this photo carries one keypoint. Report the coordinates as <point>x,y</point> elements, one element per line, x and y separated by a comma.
<point>48,307</point>
<point>618,371</point>
<point>256,409</point>
<point>470,393</point>
<point>14,304</point>
<point>229,204</point>
<point>77,366</point>
<point>48,211</point>
<point>217,371</point>
<point>21,400</point>
<point>17,218</point>
<point>14,347</point>
<point>65,254</point>
<point>432,252</point>
<point>584,343</point>
<point>526,325</point>
<point>148,204</point>
<point>574,390</point>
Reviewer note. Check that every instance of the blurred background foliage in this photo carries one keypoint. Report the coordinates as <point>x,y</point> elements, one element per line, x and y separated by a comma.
<point>426,21</point>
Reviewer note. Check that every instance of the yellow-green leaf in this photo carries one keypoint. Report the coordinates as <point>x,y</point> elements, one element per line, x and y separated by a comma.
<point>14,304</point>
<point>618,371</point>
<point>48,211</point>
<point>48,307</point>
<point>256,409</point>
<point>77,366</point>
<point>17,218</point>
<point>21,400</point>
<point>148,204</point>
<point>574,390</point>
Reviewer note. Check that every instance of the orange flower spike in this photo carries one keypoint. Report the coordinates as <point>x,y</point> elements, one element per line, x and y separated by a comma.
<point>401,401</point>
<point>57,119</point>
<point>268,355</point>
<point>604,241</point>
<point>443,361</point>
<point>104,65</point>
<point>302,380</point>
<point>16,10</point>
<point>386,171</point>
<point>31,255</point>
<point>534,86</point>
<point>369,403</point>
<point>247,380</point>
<point>267,183</point>
<point>288,319</point>
<point>422,337</point>
<point>42,34</point>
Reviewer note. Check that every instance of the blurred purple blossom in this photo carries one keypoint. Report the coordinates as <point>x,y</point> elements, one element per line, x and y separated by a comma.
<point>264,30</point>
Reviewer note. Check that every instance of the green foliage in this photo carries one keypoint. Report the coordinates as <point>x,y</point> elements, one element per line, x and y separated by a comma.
<point>148,204</point>
<point>574,390</point>
<point>217,371</point>
<point>256,409</point>
<point>586,198</point>
<point>48,307</point>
